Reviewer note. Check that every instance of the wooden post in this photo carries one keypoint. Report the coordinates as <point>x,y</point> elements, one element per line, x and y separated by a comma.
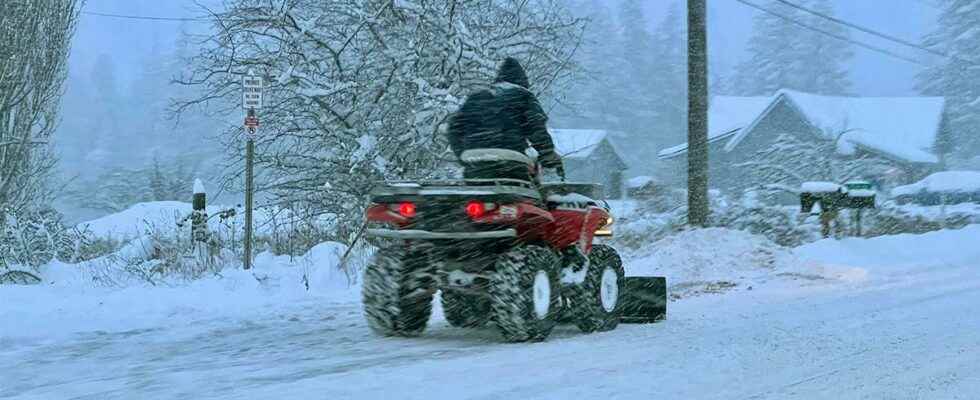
<point>199,217</point>
<point>697,114</point>
<point>857,220</point>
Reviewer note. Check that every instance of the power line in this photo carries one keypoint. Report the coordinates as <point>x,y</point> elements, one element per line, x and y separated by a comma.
<point>143,17</point>
<point>834,35</point>
<point>872,32</point>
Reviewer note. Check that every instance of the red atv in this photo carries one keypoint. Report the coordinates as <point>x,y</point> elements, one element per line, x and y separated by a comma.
<point>502,251</point>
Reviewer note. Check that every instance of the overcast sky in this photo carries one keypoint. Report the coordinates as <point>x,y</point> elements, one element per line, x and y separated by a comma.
<point>730,25</point>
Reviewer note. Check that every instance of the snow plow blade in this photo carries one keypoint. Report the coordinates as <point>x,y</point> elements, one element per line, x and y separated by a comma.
<point>645,300</point>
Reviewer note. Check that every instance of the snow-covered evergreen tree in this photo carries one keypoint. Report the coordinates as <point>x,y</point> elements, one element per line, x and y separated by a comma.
<point>957,78</point>
<point>633,80</point>
<point>637,53</point>
<point>103,125</point>
<point>784,55</point>
<point>669,74</point>
<point>592,101</point>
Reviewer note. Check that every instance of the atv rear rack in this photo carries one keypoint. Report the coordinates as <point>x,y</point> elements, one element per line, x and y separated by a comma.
<point>466,187</point>
<point>429,235</point>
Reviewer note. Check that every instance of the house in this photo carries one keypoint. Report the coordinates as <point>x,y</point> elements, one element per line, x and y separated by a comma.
<point>590,156</point>
<point>906,133</point>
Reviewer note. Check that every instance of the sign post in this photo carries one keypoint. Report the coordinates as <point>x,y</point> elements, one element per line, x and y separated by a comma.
<point>251,101</point>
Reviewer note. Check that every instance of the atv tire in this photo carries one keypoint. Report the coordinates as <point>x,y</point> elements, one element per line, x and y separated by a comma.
<point>525,298</point>
<point>397,293</point>
<point>596,303</point>
<point>465,310</point>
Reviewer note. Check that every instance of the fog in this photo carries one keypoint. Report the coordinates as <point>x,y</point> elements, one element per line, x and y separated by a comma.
<point>128,49</point>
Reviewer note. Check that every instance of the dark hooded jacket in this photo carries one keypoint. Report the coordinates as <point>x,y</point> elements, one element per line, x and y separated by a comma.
<point>506,116</point>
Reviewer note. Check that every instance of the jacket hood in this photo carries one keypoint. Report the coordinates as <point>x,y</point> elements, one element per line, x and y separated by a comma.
<point>511,71</point>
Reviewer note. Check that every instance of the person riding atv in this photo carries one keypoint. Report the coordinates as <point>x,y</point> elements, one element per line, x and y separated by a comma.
<point>499,247</point>
<point>495,129</point>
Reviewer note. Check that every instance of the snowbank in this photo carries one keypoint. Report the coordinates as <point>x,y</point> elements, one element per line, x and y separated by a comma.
<point>706,255</point>
<point>140,218</point>
<point>70,301</point>
<point>943,182</point>
<point>951,246</point>
<point>135,220</point>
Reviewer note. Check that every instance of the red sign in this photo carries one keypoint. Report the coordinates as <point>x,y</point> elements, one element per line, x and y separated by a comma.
<point>251,121</point>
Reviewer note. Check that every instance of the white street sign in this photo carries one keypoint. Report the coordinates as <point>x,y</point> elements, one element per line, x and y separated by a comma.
<point>252,92</point>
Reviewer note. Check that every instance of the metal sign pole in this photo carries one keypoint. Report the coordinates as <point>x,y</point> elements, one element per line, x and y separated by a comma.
<point>251,100</point>
<point>249,189</point>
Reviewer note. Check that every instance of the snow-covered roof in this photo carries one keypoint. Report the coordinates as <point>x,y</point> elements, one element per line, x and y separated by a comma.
<point>945,181</point>
<point>639,181</point>
<point>577,143</point>
<point>903,128</point>
<point>726,115</point>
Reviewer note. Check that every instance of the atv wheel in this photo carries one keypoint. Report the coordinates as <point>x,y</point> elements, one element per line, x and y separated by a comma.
<point>397,293</point>
<point>525,293</point>
<point>465,310</point>
<point>596,304</point>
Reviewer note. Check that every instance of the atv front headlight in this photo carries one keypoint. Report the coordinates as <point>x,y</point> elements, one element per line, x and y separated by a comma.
<point>606,229</point>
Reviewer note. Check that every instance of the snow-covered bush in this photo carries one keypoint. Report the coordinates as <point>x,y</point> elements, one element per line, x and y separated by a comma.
<point>164,254</point>
<point>945,187</point>
<point>782,225</point>
<point>152,242</point>
<point>757,213</point>
<point>30,238</point>
<point>889,219</point>
<point>636,232</point>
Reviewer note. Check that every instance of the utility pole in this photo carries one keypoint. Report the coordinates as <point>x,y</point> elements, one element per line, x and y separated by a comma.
<point>697,114</point>
<point>251,100</point>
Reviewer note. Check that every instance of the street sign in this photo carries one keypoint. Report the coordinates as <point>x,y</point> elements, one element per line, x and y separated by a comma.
<point>251,122</point>
<point>251,91</point>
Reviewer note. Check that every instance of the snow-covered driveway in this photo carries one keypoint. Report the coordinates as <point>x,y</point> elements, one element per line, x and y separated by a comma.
<point>910,330</point>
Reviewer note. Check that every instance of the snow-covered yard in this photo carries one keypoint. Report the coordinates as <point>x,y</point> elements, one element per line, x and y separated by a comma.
<point>858,318</point>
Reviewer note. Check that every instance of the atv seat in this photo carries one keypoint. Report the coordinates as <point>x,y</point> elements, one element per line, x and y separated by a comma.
<point>498,163</point>
<point>474,156</point>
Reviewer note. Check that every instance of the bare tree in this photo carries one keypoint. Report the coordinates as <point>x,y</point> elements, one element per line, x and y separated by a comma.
<point>358,89</point>
<point>797,157</point>
<point>35,38</point>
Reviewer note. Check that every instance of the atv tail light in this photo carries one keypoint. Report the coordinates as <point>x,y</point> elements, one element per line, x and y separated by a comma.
<point>406,209</point>
<point>476,209</point>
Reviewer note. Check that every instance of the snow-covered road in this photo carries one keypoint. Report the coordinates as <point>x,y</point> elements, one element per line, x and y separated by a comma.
<point>911,330</point>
